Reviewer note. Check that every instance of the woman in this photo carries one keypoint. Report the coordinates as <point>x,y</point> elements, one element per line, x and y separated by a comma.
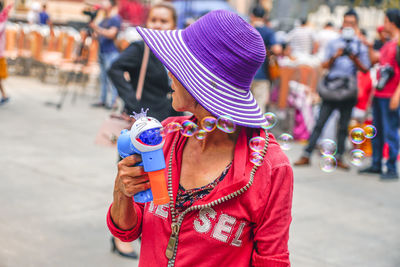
<point>223,210</point>
<point>156,87</point>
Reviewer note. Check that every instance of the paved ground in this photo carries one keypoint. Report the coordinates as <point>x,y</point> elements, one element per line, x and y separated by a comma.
<point>57,185</point>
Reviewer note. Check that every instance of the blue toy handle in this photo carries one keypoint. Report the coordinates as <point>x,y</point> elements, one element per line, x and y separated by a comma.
<point>144,196</point>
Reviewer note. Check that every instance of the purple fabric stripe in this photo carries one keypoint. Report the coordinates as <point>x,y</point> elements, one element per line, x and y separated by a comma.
<point>177,62</point>
<point>246,100</point>
<point>224,112</point>
<point>245,120</point>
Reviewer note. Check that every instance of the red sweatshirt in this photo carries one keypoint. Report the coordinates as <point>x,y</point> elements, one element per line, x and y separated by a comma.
<point>251,229</point>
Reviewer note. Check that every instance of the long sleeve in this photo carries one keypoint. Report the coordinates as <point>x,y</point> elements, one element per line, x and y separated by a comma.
<point>129,61</point>
<point>272,232</point>
<point>128,235</point>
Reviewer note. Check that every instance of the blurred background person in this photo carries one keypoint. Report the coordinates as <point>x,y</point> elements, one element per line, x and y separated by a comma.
<point>302,39</point>
<point>156,88</point>
<point>324,37</point>
<point>261,84</point>
<point>385,105</point>
<point>383,37</point>
<point>44,18</point>
<point>33,14</point>
<point>344,57</point>
<point>3,60</point>
<point>106,33</point>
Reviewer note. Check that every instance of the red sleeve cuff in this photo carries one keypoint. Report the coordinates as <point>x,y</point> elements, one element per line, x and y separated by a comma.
<point>270,261</point>
<point>125,235</point>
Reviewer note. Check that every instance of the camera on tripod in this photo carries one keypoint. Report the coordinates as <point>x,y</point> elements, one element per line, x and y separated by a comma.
<point>348,35</point>
<point>386,73</point>
<point>91,12</point>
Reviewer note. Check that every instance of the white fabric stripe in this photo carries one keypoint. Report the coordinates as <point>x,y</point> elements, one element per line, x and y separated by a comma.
<point>204,68</point>
<point>239,120</point>
<point>196,79</point>
<point>223,111</point>
<point>217,80</point>
<point>232,94</point>
<point>190,82</point>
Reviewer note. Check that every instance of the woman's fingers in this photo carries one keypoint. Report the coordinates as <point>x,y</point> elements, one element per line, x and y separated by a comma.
<point>130,161</point>
<point>132,188</point>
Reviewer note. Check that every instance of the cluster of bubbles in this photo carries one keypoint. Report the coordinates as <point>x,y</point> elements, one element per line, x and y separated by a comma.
<point>207,125</point>
<point>358,136</point>
<point>328,149</point>
<point>226,124</point>
<point>257,143</point>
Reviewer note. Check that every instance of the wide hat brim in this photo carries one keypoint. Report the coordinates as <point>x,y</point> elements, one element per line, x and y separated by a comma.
<point>213,93</point>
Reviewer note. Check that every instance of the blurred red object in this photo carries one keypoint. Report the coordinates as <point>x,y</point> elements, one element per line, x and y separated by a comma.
<point>133,11</point>
<point>364,90</point>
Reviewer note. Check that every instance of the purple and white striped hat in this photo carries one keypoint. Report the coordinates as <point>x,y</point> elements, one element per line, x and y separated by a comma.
<point>215,59</point>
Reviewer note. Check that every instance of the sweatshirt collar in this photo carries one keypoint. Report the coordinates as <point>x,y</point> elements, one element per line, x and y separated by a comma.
<point>238,175</point>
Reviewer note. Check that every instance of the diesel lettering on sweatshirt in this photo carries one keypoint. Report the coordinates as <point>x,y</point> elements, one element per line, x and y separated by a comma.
<point>222,226</point>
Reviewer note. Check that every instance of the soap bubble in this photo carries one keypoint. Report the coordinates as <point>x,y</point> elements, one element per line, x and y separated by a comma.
<point>257,143</point>
<point>256,158</point>
<point>328,163</point>
<point>357,136</point>
<point>357,157</point>
<point>189,128</point>
<point>200,134</point>
<point>208,123</point>
<point>162,132</point>
<point>370,131</point>
<point>285,141</point>
<point>272,119</point>
<point>172,127</point>
<point>328,147</point>
<point>225,123</point>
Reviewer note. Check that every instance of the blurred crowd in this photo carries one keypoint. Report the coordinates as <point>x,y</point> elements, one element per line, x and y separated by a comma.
<point>320,83</point>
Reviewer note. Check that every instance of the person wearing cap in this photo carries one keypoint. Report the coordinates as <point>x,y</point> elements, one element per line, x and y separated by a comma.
<point>385,105</point>
<point>344,57</point>
<point>223,209</point>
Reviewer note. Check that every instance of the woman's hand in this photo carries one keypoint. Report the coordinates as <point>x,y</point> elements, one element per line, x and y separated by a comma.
<point>131,180</point>
<point>394,101</point>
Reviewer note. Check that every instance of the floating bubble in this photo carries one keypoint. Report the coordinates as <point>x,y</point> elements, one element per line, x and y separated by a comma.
<point>256,158</point>
<point>172,127</point>
<point>208,124</point>
<point>370,131</point>
<point>225,123</point>
<point>200,134</point>
<point>357,135</point>
<point>328,147</point>
<point>285,141</point>
<point>328,163</point>
<point>163,132</point>
<point>272,119</point>
<point>257,143</point>
<point>357,157</point>
<point>189,128</point>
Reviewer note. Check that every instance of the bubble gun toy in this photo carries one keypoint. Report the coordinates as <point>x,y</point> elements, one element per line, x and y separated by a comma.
<point>145,138</point>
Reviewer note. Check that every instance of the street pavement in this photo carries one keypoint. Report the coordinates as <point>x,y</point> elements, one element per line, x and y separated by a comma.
<point>57,186</point>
